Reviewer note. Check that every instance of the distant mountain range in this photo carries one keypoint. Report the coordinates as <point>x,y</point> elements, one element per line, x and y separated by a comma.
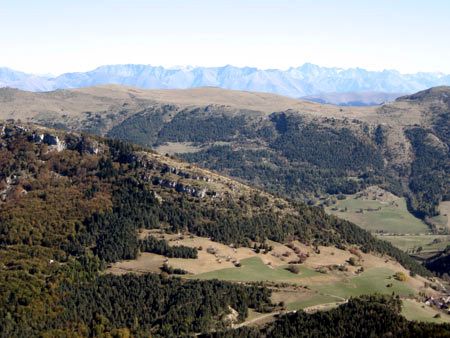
<point>308,79</point>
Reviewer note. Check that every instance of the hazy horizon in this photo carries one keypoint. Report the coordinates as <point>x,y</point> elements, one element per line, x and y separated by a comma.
<point>188,66</point>
<point>54,37</point>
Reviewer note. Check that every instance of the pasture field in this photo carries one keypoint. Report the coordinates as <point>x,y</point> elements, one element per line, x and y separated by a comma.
<point>414,310</point>
<point>374,280</point>
<point>326,288</point>
<point>429,243</point>
<point>443,220</point>
<point>374,215</point>
<point>254,270</point>
<point>310,290</point>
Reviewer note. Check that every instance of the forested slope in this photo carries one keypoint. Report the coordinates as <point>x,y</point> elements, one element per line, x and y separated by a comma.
<point>71,203</point>
<point>296,148</point>
<point>301,154</point>
<point>372,316</point>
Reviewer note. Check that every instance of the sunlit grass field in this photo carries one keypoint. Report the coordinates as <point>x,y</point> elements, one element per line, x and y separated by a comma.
<point>374,280</point>
<point>254,270</point>
<point>413,242</point>
<point>390,218</point>
<point>413,310</point>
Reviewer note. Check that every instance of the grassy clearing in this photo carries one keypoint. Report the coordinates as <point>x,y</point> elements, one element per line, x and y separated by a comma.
<point>392,217</point>
<point>414,310</point>
<point>253,270</point>
<point>300,298</point>
<point>172,148</point>
<point>428,243</point>
<point>374,280</point>
<point>371,281</point>
<point>145,263</point>
<point>316,299</point>
<point>257,319</point>
<point>443,220</point>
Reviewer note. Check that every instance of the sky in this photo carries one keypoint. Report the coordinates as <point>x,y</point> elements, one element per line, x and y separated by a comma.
<point>52,37</point>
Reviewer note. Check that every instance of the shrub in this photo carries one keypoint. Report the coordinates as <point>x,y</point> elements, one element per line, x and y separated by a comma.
<point>293,268</point>
<point>352,261</point>
<point>400,276</point>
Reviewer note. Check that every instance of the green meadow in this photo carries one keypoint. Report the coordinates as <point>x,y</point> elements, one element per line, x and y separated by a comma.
<point>374,280</point>
<point>390,218</point>
<point>428,243</point>
<point>254,270</point>
<point>416,311</point>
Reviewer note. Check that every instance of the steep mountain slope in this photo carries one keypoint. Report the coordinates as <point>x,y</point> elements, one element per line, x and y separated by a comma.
<point>256,136</point>
<point>70,204</point>
<point>308,79</point>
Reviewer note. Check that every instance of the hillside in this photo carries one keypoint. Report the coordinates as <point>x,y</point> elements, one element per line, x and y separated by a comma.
<point>401,146</point>
<point>348,320</point>
<point>308,79</point>
<point>23,104</point>
<point>71,205</point>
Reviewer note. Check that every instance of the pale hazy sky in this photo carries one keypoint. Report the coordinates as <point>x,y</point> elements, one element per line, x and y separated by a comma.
<point>54,36</point>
